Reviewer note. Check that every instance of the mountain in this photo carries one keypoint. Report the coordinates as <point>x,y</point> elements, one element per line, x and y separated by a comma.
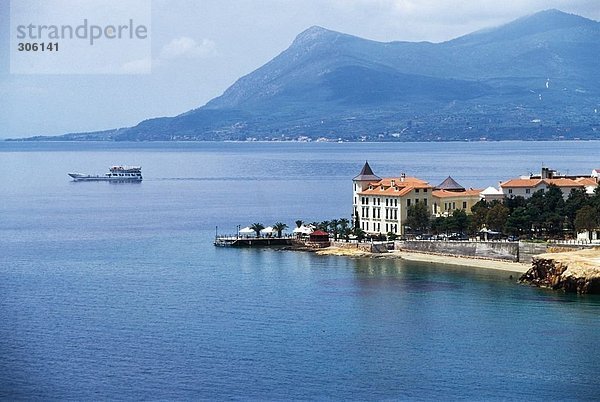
<point>533,78</point>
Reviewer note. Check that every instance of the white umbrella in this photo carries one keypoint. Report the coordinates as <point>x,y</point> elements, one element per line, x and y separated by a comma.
<point>246,230</point>
<point>267,230</point>
<point>303,229</point>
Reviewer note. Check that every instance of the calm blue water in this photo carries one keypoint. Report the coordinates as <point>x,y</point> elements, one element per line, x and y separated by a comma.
<point>114,291</point>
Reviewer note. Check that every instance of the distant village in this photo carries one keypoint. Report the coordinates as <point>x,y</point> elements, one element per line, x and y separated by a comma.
<point>544,206</point>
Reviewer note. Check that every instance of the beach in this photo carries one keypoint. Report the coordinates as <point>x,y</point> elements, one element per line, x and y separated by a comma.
<point>432,258</point>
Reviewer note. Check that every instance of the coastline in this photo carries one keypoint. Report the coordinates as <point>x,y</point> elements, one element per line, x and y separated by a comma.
<point>431,258</point>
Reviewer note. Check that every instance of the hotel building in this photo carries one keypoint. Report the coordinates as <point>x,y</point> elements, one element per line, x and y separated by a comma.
<point>381,204</point>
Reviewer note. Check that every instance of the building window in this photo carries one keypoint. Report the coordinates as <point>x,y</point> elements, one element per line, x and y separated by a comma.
<point>396,202</point>
<point>464,205</point>
<point>386,228</point>
<point>425,201</point>
<point>527,190</point>
<point>510,191</point>
<point>424,190</point>
<point>408,202</point>
<point>395,214</point>
<point>416,190</point>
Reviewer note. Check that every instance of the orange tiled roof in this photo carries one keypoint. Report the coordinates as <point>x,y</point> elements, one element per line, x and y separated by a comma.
<point>587,181</point>
<point>563,182</point>
<point>400,188</point>
<point>521,183</point>
<point>560,182</point>
<point>389,191</point>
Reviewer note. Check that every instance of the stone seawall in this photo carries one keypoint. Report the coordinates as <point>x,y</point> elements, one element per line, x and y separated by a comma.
<point>491,250</point>
<point>572,271</point>
<point>366,247</point>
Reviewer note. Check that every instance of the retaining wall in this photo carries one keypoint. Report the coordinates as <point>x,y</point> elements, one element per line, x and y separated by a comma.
<point>494,250</point>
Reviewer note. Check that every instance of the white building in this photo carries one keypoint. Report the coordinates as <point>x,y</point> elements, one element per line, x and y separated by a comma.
<point>525,186</point>
<point>380,205</point>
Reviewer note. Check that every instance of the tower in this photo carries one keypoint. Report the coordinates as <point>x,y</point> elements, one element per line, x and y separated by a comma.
<point>359,184</point>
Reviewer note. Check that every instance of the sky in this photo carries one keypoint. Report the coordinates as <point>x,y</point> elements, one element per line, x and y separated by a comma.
<point>198,48</point>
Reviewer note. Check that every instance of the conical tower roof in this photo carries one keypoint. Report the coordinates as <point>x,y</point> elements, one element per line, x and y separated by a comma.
<point>367,174</point>
<point>450,185</point>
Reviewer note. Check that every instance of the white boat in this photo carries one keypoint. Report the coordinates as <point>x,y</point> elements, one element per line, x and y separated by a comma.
<point>115,173</point>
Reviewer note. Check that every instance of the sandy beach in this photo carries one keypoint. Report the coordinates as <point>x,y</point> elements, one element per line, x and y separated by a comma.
<point>431,258</point>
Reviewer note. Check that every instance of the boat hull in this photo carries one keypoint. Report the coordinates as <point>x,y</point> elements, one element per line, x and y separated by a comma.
<point>87,177</point>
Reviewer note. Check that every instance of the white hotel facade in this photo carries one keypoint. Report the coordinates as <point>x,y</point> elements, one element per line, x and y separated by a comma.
<point>381,205</point>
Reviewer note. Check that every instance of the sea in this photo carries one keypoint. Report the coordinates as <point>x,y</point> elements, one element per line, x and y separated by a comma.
<point>114,291</point>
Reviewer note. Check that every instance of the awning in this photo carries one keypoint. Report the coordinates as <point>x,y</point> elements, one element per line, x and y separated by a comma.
<point>303,230</point>
<point>267,230</point>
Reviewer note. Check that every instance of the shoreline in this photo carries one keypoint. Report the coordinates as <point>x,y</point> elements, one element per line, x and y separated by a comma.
<point>497,265</point>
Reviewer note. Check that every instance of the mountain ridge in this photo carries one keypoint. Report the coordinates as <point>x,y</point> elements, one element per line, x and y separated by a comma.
<point>532,78</point>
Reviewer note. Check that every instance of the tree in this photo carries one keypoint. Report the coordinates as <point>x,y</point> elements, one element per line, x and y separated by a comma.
<point>553,210</point>
<point>587,219</point>
<point>577,199</point>
<point>513,203</point>
<point>418,217</point>
<point>519,222</point>
<point>535,208</point>
<point>479,213</point>
<point>280,227</point>
<point>323,226</point>
<point>334,227</point>
<point>439,225</point>
<point>257,227</point>
<point>460,220</point>
<point>496,217</point>
<point>344,228</point>
<point>359,233</point>
<point>356,220</point>
<point>299,223</point>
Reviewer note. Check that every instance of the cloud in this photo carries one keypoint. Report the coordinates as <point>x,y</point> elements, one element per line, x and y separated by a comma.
<point>185,47</point>
<point>140,66</point>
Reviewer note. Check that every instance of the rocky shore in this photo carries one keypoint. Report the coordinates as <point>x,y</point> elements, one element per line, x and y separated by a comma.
<point>573,271</point>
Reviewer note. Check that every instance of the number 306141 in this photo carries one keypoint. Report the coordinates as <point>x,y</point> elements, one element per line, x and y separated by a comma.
<point>37,47</point>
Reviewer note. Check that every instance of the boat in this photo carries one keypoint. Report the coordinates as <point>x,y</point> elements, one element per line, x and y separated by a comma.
<point>115,173</point>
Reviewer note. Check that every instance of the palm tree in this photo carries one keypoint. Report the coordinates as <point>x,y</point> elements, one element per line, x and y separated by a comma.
<point>299,223</point>
<point>360,234</point>
<point>257,227</point>
<point>280,227</point>
<point>344,225</point>
<point>323,225</point>
<point>334,225</point>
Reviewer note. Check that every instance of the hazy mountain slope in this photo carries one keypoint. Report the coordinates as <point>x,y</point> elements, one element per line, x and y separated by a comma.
<point>534,78</point>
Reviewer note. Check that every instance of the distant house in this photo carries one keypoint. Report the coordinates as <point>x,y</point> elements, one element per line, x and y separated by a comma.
<point>491,194</point>
<point>525,186</point>
<point>449,196</point>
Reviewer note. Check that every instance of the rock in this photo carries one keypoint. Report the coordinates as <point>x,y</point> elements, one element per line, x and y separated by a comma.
<point>574,271</point>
